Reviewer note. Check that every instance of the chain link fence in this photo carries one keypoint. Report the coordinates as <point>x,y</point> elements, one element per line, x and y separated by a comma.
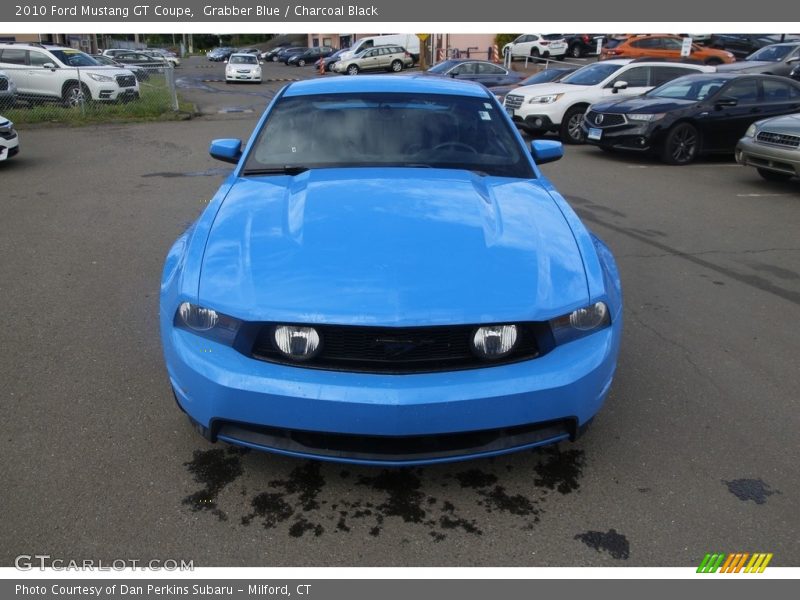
<point>32,94</point>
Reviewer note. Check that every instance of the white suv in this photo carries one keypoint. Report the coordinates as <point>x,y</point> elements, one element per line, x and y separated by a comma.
<point>559,107</point>
<point>9,140</point>
<point>58,73</point>
<point>536,45</point>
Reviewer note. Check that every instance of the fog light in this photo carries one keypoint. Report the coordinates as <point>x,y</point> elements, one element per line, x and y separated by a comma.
<point>494,341</point>
<point>296,342</point>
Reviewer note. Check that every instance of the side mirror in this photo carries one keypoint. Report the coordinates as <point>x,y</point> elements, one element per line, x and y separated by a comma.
<point>619,85</point>
<point>49,65</point>
<point>545,151</point>
<point>794,59</point>
<point>726,102</point>
<point>227,150</point>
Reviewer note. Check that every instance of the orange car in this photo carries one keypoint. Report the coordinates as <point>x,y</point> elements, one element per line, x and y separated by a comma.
<point>664,46</point>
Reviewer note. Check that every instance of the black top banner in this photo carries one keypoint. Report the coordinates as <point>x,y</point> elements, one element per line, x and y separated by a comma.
<point>388,11</point>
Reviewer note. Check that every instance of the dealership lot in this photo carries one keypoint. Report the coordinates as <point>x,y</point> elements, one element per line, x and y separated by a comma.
<point>692,452</point>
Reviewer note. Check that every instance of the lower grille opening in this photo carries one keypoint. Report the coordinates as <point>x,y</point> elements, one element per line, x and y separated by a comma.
<point>389,448</point>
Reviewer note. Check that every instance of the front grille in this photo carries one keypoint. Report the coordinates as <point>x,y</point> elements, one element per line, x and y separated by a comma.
<point>3,84</point>
<point>126,80</point>
<point>401,350</point>
<point>395,448</point>
<point>514,101</point>
<point>606,119</point>
<point>778,139</point>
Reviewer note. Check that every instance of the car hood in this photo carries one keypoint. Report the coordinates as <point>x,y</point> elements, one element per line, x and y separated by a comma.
<point>787,124</point>
<point>391,247</point>
<point>542,89</point>
<point>746,66</point>
<point>642,104</point>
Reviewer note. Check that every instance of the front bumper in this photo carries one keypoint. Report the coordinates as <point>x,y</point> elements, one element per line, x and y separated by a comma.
<point>640,136</point>
<point>251,76</point>
<point>389,419</point>
<point>765,156</point>
<point>9,145</point>
<point>116,94</point>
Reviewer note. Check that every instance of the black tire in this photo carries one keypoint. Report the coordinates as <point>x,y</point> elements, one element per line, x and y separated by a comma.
<point>681,145</point>
<point>301,63</point>
<point>397,66</point>
<point>575,51</point>
<point>713,62</point>
<point>353,70</point>
<point>773,175</point>
<point>535,53</point>
<point>274,58</point>
<point>75,94</point>
<point>570,129</point>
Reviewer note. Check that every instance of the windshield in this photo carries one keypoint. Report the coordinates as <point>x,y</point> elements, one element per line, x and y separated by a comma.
<point>74,58</point>
<point>591,74</point>
<point>243,60</point>
<point>771,53</point>
<point>385,129</point>
<point>688,88</point>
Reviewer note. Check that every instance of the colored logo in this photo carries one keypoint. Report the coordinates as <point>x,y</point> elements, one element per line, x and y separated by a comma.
<point>735,563</point>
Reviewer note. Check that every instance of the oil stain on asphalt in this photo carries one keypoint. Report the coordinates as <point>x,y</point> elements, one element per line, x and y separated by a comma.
<point>610,541</point>
<point>371,499</point>
<point>750,489</point>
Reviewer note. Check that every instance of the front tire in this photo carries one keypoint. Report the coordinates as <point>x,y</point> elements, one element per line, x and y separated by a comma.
<point>75,94</point>
<point>301,63</point>
<point>773,175</point>
<point>575,51</point>
<point>570,130</point>
<point>682,145</point>
<point>397,66</point>
<point>353,70</point>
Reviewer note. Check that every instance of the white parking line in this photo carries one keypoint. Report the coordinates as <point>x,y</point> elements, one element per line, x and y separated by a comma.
<point>761,195</point>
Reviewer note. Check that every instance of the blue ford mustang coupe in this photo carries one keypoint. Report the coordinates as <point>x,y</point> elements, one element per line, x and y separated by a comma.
<point>387,278</point>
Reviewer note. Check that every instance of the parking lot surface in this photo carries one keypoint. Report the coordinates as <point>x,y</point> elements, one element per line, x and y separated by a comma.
<point>695,450</point>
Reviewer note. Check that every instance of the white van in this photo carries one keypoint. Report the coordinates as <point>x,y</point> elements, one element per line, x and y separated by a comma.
<point>409,41</point>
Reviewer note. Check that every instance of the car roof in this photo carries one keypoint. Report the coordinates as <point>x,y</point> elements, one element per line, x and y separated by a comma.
<point>734,75</point>
<point>386,83</point>
<point>241,54</point>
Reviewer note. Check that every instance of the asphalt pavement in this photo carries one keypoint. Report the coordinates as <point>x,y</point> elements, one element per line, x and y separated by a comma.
<point>695,450</point>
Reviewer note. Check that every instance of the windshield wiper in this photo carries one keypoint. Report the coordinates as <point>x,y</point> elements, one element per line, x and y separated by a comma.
<point>285,170</point>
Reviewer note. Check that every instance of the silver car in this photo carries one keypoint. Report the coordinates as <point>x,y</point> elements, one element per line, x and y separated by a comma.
<point>772,146</point>
<point>775,59</point>
<point>389,58</point>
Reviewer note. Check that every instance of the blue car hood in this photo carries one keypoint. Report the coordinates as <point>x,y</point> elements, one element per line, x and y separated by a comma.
<point>391,247</point>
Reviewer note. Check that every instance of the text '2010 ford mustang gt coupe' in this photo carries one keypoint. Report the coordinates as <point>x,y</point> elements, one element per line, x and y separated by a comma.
<point>387,278</point>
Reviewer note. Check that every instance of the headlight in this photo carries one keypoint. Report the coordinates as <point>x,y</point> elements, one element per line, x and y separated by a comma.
<point>494,341</point>
<point>207,323</point>
<point>645,116</point>
<point>6,127</point>
<point>98,77</point>
<point>751,131</point>
<point>297,342</point>
<point>548,99</point>
<point>580,323</point>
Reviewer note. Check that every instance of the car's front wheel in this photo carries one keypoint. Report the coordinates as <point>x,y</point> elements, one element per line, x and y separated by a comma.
<point>773,175</point>
<point>575,51</point>
<point>75,94</point>
<point>352,70</point>
<point>301,63</point>
<point>570,130</point>
<point>397,66</point>
<point>681,145</point>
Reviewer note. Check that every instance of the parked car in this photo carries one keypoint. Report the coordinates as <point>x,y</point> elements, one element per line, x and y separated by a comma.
<point>388,278</point>
<point>9,139</point>
<point>535,45</point>
<point>550,75</point>
<point>220,54</point>
<point>284,55</point>
<point>8,90</point>
<point>169,57</point>
<point>690,116</point>
<point>559,107</point>
<point>409,41</point>
<point>272,54</point>
<point>772,146</point>
<point>776,59</point>
<point>243,67</point>
<point>664,47</point>
<point>43,72</point>
<point>254,51</point>
<point>309,56</point>
<point>742,45</point>
<point>389,58</point>
<point>140,72</point>
<point>582,44</point>
<point>489,74</point>
<point>330,60</point>
<point>795,74</point>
